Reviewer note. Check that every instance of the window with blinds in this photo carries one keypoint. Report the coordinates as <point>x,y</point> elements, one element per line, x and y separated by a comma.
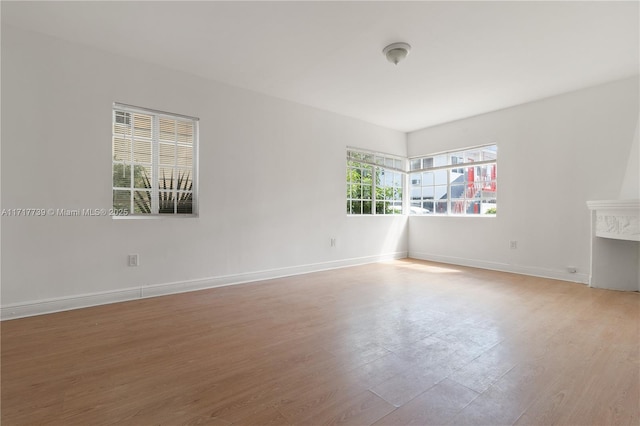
<point>154,162</point>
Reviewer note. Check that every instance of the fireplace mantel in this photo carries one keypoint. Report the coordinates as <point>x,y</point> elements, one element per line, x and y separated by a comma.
<point>615,253</point>
<point>617,219</point>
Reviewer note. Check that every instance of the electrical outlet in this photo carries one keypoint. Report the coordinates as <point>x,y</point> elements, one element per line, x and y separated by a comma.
<point>572,269</point>
<point>333,242</point>
<point>513,245</point>
<point>133,260</point>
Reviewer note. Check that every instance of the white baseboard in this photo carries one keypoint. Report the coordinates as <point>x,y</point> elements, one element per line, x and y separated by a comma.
<point>47,306</point>
<point>581,278</point>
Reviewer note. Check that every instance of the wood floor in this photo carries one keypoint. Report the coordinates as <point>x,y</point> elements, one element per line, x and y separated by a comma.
<point>405,342</point>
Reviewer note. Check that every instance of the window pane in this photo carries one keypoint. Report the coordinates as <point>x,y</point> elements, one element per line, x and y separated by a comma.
<point>457,191</point>
<point>366,192</point>
<point>185,180</point>
<point>416,208</point>
<point>141,176</point>
<point>121,123</point>
<point>167,129</point>
<point>416,164</point>
<point>121,176</point>
<point>428,178</point>
<point>388,178</point>
<point>416,193</point>
<point>142,125</point>
<point>397,180</point>
<point>353,175</point>
<point>473,155</point>
<point>440,207</point>
<point>167,153</point>
<point>489,206</point>
<point>121,149</point>
<point>428,207</point>
<point>142,202</point>
<point>428,192</point>
<point>457,176</point>
<point>456,158</point>
<point>184,203</point>
<point>185,156</point>
<point>457,206</point>
<point>490,189</point>
<point>185,132</point>
<point>440,160</point>
<point>121,200</point>
<point>170,202</point>
<point>142,151</point>
<point>170,178</point>
<point>440,177</point>
<point>490,153</point>
<point>356,207</point>
<point>367,172</point>
<point>166,202</point>
<point>389,208</point>
<point>366,207</point>
<point>356,191</point>
<point>440,192</point>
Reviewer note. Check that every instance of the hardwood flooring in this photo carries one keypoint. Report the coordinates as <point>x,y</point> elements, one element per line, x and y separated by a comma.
<point>399,343</point>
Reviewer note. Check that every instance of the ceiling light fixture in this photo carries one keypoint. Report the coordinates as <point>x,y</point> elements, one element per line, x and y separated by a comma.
<point>396,52</point>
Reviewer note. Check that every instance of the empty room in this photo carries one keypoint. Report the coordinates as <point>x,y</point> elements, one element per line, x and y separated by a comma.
<point>305,213</point>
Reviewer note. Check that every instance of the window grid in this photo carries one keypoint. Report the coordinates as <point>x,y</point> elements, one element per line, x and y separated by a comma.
<point>154,162</point>
<point>455,183</point>
<point>375,183</point>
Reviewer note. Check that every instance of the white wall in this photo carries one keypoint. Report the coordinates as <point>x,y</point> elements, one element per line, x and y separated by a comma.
<point>631,182</point>
<point>553,156</point>
<point>272,189</point>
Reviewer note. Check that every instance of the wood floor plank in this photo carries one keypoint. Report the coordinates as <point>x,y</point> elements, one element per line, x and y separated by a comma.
<point>401,342</point>
<point>487,368</point>
<point>436,406</point>
<point>363,409</point>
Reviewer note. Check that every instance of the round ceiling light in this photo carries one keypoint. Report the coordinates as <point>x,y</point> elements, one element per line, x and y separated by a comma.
<point>396,52</point>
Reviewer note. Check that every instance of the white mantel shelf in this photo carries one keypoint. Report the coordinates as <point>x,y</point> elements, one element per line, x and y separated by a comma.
<point>617,219</point>
<point>615,251</point>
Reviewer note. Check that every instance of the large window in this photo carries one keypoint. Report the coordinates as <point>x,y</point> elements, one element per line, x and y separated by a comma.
<point>375,183</point>
<point>154,162</point>
<point>456,183</point>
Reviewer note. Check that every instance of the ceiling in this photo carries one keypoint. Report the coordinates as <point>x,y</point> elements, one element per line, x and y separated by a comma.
<point>468,58</point>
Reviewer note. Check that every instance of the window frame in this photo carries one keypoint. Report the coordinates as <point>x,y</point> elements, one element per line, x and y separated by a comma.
<point>449,167</point>
<point>155,142</point>
<point>378,163</point>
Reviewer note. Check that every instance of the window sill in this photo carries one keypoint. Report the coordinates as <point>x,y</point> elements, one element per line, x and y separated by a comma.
<point>155,216</point>
<point>456,215</point>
